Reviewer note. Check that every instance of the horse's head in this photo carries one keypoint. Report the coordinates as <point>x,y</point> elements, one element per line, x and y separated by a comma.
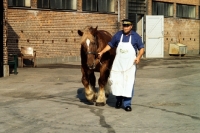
<point>89,44</point>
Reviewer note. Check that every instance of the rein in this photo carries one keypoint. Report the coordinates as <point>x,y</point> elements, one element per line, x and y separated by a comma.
<point>102,64</point>
<point>94,53</point>
<point>114,70</point>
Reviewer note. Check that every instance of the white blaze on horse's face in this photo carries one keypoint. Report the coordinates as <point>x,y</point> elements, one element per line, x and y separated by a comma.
<point>88,42</point>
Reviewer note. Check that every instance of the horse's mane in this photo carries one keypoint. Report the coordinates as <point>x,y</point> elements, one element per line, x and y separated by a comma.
<point>87,34</point>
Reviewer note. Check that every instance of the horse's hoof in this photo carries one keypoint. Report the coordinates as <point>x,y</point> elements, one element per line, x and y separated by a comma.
<point>100,104</point>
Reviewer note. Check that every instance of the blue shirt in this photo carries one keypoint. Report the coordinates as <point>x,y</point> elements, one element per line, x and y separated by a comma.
<point>136,40</point>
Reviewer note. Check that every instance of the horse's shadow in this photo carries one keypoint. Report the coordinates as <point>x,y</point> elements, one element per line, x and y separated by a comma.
<point>81,95</point>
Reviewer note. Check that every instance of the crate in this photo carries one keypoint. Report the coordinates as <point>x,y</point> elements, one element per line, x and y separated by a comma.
<point>177,49</point>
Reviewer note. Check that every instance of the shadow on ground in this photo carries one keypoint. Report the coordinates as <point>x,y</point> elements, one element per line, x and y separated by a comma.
<point>81,95</point>
<point>54,66</point>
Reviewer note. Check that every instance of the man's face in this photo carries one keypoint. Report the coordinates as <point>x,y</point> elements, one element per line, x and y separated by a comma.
<point>127,28</point>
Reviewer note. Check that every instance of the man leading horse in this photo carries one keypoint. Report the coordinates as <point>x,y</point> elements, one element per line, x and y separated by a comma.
<point>122,75</point>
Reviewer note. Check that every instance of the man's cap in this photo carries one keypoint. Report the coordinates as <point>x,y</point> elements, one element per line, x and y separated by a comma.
<point>126,21</point>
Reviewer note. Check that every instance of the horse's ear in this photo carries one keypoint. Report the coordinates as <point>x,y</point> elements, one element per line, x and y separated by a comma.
<point>80,33</point>
<point>94,31</point>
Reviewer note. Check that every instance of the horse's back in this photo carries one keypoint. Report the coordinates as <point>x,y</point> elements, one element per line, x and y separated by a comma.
<point>106,33</point>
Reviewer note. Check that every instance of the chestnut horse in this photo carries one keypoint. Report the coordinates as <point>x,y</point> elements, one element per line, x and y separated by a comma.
<point>92,42</point>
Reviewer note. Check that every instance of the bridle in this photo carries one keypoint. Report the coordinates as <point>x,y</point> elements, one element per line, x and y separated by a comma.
<point>94,53</point>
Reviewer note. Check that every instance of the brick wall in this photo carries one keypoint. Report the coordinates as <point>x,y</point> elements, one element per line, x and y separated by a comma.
<point>5,53</point>
<point>182,31</point>
<point>178,30</point>
<point>53,34</point>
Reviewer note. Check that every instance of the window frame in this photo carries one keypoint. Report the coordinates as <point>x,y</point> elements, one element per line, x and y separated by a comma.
<point>199,12</point>
<point>57,4</point>
<point>19,3</point>
<point>184,11</point>
<point>101,6</point>
<point>162,8</point>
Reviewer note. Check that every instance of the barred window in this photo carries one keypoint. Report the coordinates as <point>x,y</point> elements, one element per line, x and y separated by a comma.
<point>57,4</point>
<point>185,11</point>
<point>162,8</point>
<point>106,6</point>
<point>19,3</point>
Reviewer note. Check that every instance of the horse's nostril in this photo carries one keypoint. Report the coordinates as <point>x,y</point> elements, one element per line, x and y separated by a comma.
<point>91,66</point>
<point>94,66</point>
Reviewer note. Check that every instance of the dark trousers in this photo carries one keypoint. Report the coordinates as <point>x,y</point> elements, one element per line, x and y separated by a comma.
<point>126,100</point>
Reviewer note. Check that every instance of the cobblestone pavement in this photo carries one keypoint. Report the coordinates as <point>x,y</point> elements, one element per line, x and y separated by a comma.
<point>50,99</point>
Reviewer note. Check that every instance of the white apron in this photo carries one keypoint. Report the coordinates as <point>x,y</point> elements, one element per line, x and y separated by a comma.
<point>122,75</point>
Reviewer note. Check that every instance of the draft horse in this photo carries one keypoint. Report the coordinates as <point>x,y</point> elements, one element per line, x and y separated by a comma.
<point>92,42</point>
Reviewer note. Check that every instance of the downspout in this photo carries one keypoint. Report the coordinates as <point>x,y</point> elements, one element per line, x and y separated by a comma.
<point>118,21</point>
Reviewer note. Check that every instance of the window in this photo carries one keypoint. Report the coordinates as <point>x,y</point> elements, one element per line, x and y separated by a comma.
<point>185,11</point>
<point>98,5</point>
<point>162,8</point>
<point>43,3</point>
<point>19,3</point>
<point>199,12</point>
<point>57,4</point>
<point>89,5</point>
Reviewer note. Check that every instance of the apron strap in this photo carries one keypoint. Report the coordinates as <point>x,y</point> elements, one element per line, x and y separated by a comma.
<point>121,38</point>
<point>130,39</point>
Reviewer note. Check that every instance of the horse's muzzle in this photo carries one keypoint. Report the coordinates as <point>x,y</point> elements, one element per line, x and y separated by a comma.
<point>93,66</point>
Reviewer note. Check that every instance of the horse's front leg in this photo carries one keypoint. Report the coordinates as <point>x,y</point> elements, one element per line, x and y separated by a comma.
<point>101,99</point>
<point>89,89</point>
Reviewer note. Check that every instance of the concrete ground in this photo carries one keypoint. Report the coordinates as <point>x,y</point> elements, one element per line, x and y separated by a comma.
<point>50,99</point>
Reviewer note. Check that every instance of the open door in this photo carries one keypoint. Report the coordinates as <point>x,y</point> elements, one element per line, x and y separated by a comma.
<point>154,47</point>
<point>1,44</point>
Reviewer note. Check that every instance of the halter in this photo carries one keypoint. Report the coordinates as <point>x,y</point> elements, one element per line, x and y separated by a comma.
<point>94,53</point>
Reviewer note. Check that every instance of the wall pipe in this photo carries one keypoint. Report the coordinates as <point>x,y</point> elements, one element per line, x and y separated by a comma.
<point>118,21</point>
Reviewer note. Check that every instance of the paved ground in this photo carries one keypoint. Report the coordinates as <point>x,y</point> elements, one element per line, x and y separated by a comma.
<point>50,99</point>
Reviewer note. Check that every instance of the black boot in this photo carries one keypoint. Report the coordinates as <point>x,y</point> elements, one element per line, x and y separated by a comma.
<point>118,104</point>
<point>128,108</point>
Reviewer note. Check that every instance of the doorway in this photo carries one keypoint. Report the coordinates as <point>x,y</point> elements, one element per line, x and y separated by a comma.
<point>154,36</point>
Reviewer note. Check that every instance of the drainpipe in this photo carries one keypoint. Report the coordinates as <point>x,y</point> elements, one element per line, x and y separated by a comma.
<point>118,21</point>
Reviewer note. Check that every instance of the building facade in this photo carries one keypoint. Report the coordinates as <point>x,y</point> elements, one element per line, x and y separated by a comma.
<point>50,26</point>
<point>181,22</point>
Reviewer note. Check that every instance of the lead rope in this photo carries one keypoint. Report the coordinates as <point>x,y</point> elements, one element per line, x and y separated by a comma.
<point>114,70</point>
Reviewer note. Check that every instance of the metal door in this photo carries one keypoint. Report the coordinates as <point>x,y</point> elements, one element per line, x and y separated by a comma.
<point>154,36</point>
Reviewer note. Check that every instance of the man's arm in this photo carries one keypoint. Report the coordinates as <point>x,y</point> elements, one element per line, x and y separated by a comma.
<point>141,52</point>
<point>107,48</point>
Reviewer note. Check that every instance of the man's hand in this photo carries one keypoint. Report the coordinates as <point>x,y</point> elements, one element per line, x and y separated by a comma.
<point>107,48</point>
<point>137,60</point>
<point>141,52</point>
<point>99,55</point>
